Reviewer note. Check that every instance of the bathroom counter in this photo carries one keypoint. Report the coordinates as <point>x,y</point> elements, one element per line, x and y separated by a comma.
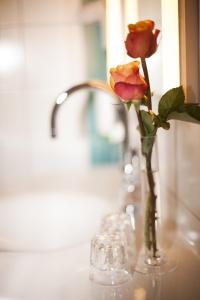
<point>63,275</point>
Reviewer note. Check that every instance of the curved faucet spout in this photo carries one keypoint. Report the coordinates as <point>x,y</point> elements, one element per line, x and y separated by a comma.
<point>92,84</point>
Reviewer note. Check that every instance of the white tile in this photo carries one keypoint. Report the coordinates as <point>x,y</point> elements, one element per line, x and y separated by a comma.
<point>167,171</point>
<point>12,60</point>
<point>54,56</point>
<point>14,140</point>
<point>50,58</point>
<point>188,165</point>
<point>12,114</point>
<point>189,226</point>
<point>50,11</point>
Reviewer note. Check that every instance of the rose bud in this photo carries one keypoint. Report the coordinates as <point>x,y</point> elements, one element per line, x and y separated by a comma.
<point>127,82</point>
<point>141,40</point>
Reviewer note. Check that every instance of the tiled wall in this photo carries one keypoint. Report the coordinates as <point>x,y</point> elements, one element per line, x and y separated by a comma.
<point>41,54</point>
<point>188,181</point>
<point>188,145</point>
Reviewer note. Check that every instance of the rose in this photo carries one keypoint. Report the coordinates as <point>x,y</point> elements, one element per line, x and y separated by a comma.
<point>141,40</point>
<point>127,82</point>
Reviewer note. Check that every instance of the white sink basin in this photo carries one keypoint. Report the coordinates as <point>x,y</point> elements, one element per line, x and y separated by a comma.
<point>46,221</point>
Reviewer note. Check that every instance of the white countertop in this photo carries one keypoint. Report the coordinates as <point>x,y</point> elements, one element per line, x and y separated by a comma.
<point>63,275</point>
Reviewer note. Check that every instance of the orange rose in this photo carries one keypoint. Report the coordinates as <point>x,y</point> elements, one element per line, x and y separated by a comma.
<point>142,39</point>
<point>127,82</point>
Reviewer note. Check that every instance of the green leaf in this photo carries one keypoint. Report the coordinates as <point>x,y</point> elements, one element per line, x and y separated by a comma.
<point>165,125</point>
<point>144,101</point>
<point>189,112</point>
<point>149,128</point>
<point>181,117</point>
<point>193,110</point>
<point>170,102</point>
<point>147,144</point>
<point>147,121</point>
<point>137,105</point>
<point>128,105</point>
<point>160,123</point>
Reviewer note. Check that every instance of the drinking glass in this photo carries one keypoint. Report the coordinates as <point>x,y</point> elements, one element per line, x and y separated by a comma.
<point>109,260</point>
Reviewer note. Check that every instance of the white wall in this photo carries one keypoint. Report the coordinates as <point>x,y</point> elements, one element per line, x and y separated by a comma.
<point>41,54</point>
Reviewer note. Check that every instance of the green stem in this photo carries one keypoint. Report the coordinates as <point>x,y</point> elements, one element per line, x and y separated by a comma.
<point>146,76</point>
<point>150,216</point>
<point>150,221</point>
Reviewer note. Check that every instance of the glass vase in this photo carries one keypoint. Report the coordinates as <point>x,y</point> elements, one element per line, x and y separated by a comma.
<point>152,258</point>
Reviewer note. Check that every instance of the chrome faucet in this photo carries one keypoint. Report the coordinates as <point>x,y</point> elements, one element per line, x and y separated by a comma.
<point>92,84</point>
<point>129,155</point>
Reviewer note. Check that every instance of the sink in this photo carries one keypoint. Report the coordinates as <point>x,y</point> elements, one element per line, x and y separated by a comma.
<point>48,221</point>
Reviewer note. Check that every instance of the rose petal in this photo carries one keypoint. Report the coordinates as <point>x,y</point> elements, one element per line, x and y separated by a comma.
<point>121,72</point>
<point>139,43</point>
<point>154,45</point>
<point>141,25</point>
<point>128,91</point>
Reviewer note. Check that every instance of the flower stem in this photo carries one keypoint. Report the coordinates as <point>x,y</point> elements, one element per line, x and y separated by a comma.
<point>150,221</point>
<point>146,76</point>
<point>150,215</point>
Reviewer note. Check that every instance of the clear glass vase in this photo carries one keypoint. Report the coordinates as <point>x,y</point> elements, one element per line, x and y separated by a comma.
<point>152,258</point>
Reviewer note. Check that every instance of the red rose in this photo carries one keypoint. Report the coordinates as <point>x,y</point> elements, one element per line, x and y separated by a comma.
<point>142,39</point>
<point>127,82</point>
